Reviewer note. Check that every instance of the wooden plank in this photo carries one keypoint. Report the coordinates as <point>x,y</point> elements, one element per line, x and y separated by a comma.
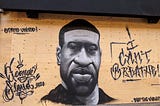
<point>30,44</point>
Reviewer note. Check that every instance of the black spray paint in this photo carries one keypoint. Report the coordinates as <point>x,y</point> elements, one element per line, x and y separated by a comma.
<point>131,62</point>
<point>20,82</point>
<point>19,31</point>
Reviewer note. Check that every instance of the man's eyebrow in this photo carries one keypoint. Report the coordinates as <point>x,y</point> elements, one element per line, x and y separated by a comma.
<point>73,42</point>
<point>92,44</point>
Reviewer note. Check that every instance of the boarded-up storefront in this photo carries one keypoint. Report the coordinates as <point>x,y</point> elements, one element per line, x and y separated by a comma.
<point>124,58</point>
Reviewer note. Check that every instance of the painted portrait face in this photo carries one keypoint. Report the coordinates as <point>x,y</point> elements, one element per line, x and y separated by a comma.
<point>79,60</point>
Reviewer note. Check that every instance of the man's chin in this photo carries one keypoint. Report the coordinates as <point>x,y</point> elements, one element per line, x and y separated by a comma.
<point>81,85</point>
<point>83,91</point>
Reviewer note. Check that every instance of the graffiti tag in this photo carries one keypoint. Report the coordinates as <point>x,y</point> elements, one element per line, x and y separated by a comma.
<point>132,63</point>
<point>20,82</point>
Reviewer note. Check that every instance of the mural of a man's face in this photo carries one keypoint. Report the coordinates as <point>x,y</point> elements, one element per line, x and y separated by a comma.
<point>79,60</point>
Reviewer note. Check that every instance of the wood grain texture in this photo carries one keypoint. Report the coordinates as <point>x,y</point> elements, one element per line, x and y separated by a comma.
<point>38,46</point>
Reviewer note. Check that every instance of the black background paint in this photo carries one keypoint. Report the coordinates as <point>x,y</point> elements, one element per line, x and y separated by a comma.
<point>140,8</point>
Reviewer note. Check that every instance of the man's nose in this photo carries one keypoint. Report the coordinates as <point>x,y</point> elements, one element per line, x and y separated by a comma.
<point>82,58</point>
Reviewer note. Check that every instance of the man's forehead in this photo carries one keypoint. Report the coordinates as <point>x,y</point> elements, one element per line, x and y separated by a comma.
<point>81,34</point>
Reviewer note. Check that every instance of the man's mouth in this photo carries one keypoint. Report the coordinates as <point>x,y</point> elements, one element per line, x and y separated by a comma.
<point>81,75</point>
<point>82,78</point>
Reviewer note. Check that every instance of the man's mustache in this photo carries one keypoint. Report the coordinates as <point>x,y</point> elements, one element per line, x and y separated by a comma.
<point>81,70</point>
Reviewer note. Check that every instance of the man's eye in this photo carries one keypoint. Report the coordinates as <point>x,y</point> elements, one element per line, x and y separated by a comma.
<point>73,46</point>
<point>92,49</point>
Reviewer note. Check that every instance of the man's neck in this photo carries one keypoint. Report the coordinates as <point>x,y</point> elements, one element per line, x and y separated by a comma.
<point>92,99</point>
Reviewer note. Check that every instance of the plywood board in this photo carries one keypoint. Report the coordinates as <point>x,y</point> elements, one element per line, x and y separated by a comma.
<point>129,68</point>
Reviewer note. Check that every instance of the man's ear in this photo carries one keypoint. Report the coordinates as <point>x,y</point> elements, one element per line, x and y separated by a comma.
<point>58,54</point>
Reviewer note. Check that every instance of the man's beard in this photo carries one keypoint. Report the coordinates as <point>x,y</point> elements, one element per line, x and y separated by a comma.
<point>81,81</point>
